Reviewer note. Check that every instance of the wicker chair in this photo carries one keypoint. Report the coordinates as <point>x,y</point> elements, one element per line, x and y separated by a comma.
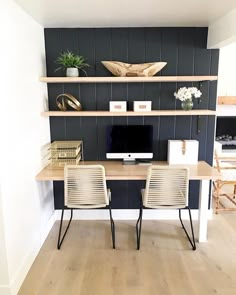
<point>85,188</point>
<point>166,188</point>
<point>228,177</point>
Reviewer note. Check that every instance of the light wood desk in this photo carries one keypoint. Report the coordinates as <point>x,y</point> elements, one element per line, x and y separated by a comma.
<point>116,171</point>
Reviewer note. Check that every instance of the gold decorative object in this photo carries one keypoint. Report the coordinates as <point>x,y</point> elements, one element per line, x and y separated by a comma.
<point>68,152</point>
<point>122,69</point>
<point>65,99</point>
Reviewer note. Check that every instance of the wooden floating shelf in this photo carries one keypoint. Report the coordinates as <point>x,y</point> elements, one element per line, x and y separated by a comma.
<point>127,79</point>
<point>226,100</point>
<point>127,114</point>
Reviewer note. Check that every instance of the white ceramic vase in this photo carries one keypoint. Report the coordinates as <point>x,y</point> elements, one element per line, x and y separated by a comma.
<point>72,72</point>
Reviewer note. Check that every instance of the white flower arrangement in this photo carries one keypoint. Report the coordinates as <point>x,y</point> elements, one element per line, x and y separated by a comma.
<point>186,93</point>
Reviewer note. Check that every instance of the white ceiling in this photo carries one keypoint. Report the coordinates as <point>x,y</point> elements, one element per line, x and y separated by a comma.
<point>126,13</point>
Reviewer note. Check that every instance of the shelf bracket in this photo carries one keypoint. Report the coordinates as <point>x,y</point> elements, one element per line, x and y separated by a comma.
<point>200,84</point>
<point>198,124</point>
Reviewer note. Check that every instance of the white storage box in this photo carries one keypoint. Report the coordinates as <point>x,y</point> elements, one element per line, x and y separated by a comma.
<point>118,106</point>
<point>182,151</point>
<point>142,106</point>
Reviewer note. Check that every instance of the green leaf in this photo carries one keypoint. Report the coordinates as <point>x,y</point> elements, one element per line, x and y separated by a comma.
<point>68,59</point>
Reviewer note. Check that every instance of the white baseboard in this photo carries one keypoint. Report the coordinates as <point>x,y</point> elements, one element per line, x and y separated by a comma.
<point>29,258</point>
<point>128,214</point>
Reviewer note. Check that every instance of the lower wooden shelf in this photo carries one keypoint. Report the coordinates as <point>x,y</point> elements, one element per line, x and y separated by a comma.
<point>127,114</point>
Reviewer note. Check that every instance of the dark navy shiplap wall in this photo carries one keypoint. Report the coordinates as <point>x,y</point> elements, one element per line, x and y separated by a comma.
<point>184,50</point>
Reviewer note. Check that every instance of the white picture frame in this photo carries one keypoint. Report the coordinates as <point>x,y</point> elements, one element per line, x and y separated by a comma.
<point>117,106</point>
<point>142,106</point>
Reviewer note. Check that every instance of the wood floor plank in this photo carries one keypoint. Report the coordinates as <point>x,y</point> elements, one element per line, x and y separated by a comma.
<point>165,265</point>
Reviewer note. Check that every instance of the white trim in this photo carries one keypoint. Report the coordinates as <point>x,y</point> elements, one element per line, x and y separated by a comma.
<point>129,214</point>
<point>29,258</point>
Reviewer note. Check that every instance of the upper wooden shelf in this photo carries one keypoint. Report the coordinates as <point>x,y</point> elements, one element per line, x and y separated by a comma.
<point>226,100</point>
<point>127,79</point>
<point>127,114</point>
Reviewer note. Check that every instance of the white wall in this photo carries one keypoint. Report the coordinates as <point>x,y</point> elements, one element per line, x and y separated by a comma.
<point>226,74</point>
<point>27,206</point>
<point>4,275</point>
<point>222,32</point>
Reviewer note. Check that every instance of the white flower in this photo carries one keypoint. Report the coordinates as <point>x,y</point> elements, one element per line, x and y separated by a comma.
<point>185,93</point>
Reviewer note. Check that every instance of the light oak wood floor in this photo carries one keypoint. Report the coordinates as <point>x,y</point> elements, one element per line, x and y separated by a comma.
<point>165,265</point>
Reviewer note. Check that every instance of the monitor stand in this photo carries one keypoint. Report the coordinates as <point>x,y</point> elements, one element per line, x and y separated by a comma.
<point>129,162</point>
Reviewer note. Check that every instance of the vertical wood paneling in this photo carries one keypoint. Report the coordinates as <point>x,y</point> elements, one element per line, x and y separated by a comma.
<point>152,44</point>
<point>89,136</point>
<point>183,126</point>
<point>193,194</point>
<point>167,131</point>
<point>119,120</point>
<point>213,86</point>
<point>102,123</point>
<point>210,138</point>
<point>73,128</point>
<point>135,92</point>
<point>119,44</point>
<point>185,64</point>
<point>57,129</point>
<point>58,190</point>
<point>155,122</point>
<point>103,52</point>
<point>136,54</point>
<point>169,50</point>
<point>134,192</point>
<point>200,122</point>
<point>119,194</point>
<point>184,49</point>
<point>152,54</point>
<point>136,45</point>
<point>119,47</point>
<point>53,91</point>
<point>169,53</point>
<point>86,45</point>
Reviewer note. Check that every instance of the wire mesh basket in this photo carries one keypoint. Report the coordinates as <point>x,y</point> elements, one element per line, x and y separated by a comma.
<point>65,152</point>
<point>63,162</point>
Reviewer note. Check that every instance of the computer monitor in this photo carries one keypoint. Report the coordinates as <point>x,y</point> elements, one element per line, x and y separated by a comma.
<point>129,142</point>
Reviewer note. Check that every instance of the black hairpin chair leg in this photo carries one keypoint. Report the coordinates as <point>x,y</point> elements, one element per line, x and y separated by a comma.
<point>112,228</point>
<point>192,242</point>
<point>139,224</point>
<point>60,240</point>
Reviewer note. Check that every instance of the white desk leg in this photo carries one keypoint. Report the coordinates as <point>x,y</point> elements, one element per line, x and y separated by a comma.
<point>203,210</point>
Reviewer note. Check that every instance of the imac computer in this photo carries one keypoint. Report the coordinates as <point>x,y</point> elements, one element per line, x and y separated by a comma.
<point>129,142</point>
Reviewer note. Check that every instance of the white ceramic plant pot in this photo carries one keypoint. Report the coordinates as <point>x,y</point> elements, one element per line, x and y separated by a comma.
<point>72,72</point>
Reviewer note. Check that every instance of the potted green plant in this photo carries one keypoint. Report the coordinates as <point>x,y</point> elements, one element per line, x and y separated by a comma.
<point>72,63</point>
